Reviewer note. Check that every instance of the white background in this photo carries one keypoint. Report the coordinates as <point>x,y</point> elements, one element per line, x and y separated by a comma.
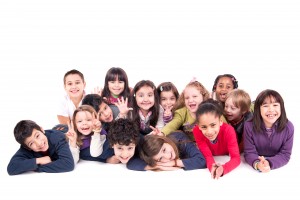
<point>256,41</point>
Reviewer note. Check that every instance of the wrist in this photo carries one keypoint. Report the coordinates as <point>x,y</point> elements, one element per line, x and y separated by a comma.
<point>255,165</point>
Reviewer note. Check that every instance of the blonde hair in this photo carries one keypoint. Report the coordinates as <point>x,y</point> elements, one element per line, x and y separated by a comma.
<point>241,99</point>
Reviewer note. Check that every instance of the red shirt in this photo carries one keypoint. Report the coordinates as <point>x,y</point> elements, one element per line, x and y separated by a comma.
<point>226,144</point>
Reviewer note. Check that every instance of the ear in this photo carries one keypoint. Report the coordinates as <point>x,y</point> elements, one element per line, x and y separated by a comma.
<point>221,122</point>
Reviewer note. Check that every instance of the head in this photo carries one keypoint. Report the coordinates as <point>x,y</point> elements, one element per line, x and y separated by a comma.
<point>145,99</point>
<point>83,121</point>
<point>269,109</point>
<point>74,83</point>
<point>156,148</point>
<point>168,94</point>
<point>237,103</point>
<point>123,136</point>
<point>208,118</point>
<point>116,83</point>
<point>31,136</point>
<point>224,84</point>
<point>193,94</point>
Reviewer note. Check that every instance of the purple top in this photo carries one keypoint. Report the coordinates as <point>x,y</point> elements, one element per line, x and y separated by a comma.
<point>276,148</point>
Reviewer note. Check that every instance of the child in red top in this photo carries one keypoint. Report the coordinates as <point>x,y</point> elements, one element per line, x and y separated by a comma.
<point>215,138</point>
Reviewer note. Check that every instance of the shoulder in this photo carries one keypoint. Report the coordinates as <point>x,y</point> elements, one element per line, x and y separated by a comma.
<point>179,136</point>
<point>54,135</point>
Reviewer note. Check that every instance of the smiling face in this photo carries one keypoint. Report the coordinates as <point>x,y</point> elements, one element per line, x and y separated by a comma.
<point>232,112</point>
<point>270,111</point>
<point>209,123</point>
<point>124,152</point>
<point>116,87</point>
<point>84,122</point>
<point>37,142</point>
<point>167,99</point>
<point>223,87</point>
<point>74,86</point>
<point>105,113</point>
<point>192,99</point>
<point>145,98</point>
<point>165,154</point>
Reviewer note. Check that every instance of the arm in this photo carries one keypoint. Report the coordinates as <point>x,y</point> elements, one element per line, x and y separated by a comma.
<point>137,164</point>
<point>174,124</point>
<point>250,153</point>
<point>97,142</point>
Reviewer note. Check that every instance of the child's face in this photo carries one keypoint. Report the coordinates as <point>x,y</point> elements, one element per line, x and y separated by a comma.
<point>105,113</point>
<point>74,85</point>
<point>84,122</point>
<point>145,98</point>
<point>270,111</point>
<point>233,113</point>
<point>224,86</point>
<point>167,99</point>
<point>209,124</point>
<point>116,87</point>
<point>37,142</point>
<point>166,153</point>
<point>124,152</point>
<point>192,98</point>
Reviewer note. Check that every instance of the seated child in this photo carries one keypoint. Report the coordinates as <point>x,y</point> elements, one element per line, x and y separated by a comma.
<point>40,151</point>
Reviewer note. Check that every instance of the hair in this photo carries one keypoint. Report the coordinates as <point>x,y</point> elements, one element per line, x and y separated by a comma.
<point>151,145</point>
<point>196,84</point>
<point>123,132</point>
<point>73,71</point>
<point>167,86</point>
<point>84,108</point>
<point>23,130</point>
<point>154,109</point>
<point>113,74</point>
<point>257,118</point>
<point>94,100</point>
<point>233,79</point>
<point>209,106</point>
<point>241,99</point>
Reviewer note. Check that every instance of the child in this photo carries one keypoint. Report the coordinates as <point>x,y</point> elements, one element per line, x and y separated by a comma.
<point>123,137</point>
<point>215,138</point>
<point>91,137</point>
<point>40,151</point>
<point>222,85</point>
<point>160,153</point>
<point>74,85</point>
<point>185,109</point>
<point>237,112</point>
<point>268,137</point>
<point>147,112</point>
<point>116,86</point>
<point>168,94</point>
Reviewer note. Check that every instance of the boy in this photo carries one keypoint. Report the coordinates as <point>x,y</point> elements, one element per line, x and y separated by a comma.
<point>40,151</point>
<point>123,136</point>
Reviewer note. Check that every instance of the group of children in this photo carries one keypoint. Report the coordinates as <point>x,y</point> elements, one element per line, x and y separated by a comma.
<point>156,128</point>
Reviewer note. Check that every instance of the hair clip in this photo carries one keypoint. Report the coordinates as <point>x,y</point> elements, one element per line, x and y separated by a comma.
<point>193,80</point>
<point>161,88</point>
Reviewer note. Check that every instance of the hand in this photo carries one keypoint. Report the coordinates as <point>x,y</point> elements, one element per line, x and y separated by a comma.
<point>123,106</point>
<point>170,163</point>
<point>96,123</point>
<point>263,165</point>
<point>113,160</point>
<point>43,160</point>
<point>156,131</point>
<point>168,111</point>
<point>71,134</point>
<point>97,90</point>
<point>217,171</point>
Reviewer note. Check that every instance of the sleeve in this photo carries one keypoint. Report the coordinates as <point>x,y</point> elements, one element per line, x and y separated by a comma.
<point>160,122</point>
<point>233,149</point>
<point>174,124</point>
<point>22,161</point>
<point>59,147</point>
<point>283,156</point>
<point>137,164</point>
<point>250,153</point>
<point>75,153</point>
<point>62,108</point>
<point>96,147</point>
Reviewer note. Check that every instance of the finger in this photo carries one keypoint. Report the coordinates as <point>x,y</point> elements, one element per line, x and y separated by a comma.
<point>72,125</point>
<point>69,125</point>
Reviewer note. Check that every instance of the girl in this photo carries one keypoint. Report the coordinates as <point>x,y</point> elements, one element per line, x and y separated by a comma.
<point>90,137</point>
<point>215,138</point>
<point>147,112</point>
<point>185,109</point>
<point>222,85</point>
<point>268,137</point>
<point>237,112</point>
<point>116,86</point>
<point>168,95</point>
<point>74,85</point>
<point>162,153</point>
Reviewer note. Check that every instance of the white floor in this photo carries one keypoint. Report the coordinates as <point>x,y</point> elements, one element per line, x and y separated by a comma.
<point>257,41</point>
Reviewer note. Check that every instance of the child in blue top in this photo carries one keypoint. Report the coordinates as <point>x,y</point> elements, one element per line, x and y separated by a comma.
<point>40,151</point>
<point>176,151</point>
<point>268,137</point>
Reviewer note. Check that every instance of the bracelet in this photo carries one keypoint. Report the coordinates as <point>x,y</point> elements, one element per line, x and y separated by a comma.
<point>255,166</point>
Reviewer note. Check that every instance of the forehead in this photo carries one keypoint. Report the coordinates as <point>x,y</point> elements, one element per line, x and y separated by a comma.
<point>103,105</point>
<point>145,89</point>
<point>269,99</point>
<point>225,80</point>
<point>192,90</point>
<point>73,77</point>
<point>33,134</point>
<point>83,114</point>
<point>208,118</point>
<point>124,146</point>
